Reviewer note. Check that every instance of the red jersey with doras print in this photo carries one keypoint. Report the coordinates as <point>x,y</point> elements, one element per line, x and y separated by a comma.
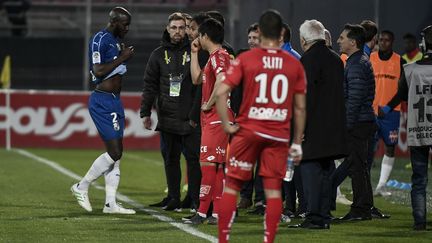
<point>218,62</point>
<point>270,79</point>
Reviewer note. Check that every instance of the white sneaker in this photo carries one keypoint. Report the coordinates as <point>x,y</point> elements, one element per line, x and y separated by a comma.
<point>379,191</point>
<point>285,219</point>
<point>81,197</point>
<point>117,209</point>
<point>341,199</point>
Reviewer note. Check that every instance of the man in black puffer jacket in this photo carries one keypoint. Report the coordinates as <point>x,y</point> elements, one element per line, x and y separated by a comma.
<point>359,89</point>
<point>167,82</point>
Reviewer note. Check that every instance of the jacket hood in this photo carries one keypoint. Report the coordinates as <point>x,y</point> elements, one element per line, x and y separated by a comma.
<point>166,41</point>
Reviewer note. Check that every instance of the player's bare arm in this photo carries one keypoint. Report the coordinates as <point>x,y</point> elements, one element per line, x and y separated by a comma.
<point>221,96</point>
<point>195,68</point>
<point>299,125</point>
<point>212,100</point>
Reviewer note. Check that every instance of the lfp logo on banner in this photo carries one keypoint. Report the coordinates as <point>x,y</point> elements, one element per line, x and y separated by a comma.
<point>56,119</point>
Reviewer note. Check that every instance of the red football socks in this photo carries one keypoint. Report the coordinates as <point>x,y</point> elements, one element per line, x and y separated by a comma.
<point>272,217</point>
<point>218,189</point>
<point>207,188</point>
<point>226,214</point>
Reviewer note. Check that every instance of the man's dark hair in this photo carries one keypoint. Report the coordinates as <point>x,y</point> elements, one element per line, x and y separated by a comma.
<point>176,16</point>
<point>409,36</point>
<point>357,33</point>
<point>287,33</point>
<point>370,28</point>
<point>389,33</point>
<point>217,15</point>
<point>187,16</point>
<point>200,18</point>
<point>117,13</point>
<point>213,29</point>
<point>270,24</point>
<point>253,27</point>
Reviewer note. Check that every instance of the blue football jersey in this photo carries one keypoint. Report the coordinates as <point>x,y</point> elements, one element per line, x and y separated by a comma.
<point>104,48</point>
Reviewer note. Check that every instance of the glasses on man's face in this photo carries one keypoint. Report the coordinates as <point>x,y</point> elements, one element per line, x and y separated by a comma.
<point>180,28</point>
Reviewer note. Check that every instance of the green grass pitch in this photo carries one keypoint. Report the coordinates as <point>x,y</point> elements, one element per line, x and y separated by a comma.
<point>37,206</point>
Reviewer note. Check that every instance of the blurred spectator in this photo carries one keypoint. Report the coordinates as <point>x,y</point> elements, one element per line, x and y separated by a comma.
<point>16,11</point>
<point>412,52</point>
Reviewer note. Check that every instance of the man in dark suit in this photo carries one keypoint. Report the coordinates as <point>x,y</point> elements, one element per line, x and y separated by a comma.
<point>325,133</point>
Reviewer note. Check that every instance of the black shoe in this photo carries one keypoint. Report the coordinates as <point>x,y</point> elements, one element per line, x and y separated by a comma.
<point>350,218</point>
<point>309,225</point>
<point>196,219</point>
<point>188,217</point>
<point>288,213</point>
<point>173,205</point>
<point>377,214</point>
<point>331,217</point>
<point>244,203</point>
<point>419,227</point>
<point>258,210</point>
<point>300,215</point>
<point>212,220</point>
<point>186,203</point>
<point>162,203</point>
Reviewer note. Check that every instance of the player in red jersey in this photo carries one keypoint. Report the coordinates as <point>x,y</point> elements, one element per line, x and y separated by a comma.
<point>273,83</point>
<point>213,140</point>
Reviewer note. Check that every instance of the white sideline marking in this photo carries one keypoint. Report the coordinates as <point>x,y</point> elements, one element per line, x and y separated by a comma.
<point>121,197</point>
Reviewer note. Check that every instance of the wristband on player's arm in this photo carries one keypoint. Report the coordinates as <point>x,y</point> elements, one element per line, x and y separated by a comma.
<point>297,148</point>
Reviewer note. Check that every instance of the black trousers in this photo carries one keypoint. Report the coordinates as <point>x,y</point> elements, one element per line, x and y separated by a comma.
<point>356,166</point>
<point>294,189</point>
<point>173,144</point>
<point>317,188</point>
<point>254,183</point>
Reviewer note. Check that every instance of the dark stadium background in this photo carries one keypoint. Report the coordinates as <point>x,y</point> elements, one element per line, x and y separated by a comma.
<point>51,56</point>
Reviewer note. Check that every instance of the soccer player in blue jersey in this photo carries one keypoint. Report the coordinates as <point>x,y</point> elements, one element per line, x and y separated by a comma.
<point>107,66</point>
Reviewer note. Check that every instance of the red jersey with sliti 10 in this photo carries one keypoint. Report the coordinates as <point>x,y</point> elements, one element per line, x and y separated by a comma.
<point>270,78</point>
<point>218,62</point>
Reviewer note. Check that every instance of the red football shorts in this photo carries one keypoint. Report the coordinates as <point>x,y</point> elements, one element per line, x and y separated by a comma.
<point>246,148</point>
<point>214,142</point>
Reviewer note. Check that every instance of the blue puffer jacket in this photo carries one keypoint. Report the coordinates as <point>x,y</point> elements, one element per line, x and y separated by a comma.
<point>359,87</point>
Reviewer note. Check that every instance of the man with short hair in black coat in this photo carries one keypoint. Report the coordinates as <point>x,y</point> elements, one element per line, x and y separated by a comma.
<point>359,88</point>
<point>167,81</point>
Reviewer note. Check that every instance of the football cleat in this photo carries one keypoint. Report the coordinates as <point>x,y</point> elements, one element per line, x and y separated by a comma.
<point>196,219</point>
<point>117,209</point>
<point>379,191</point>
<point>81,197</point>
<point>341,199</point>
<point>212,220</point>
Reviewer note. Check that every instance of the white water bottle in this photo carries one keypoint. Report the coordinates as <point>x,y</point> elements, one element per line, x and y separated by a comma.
<point>289,170</point>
